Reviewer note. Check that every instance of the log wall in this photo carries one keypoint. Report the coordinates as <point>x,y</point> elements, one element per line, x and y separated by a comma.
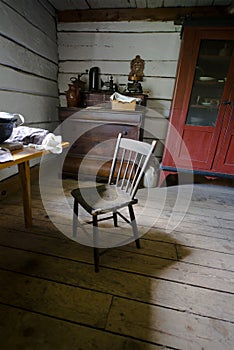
<point>111,46</point>
<point>29,63</point>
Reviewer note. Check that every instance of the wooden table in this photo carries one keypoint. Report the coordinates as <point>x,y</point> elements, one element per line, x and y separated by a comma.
<point>21,159</point>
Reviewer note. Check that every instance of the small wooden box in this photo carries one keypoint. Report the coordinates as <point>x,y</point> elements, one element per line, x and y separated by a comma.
<point>121,106</point>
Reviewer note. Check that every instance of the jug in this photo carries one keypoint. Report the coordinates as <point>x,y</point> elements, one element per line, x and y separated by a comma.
<point>73,95</point>
<point>152,173</point>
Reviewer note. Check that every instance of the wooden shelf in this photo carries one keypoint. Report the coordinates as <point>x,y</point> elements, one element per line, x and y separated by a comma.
<point>205,107</point>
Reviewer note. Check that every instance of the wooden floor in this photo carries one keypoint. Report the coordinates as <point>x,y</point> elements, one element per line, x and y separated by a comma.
<point>176,292</point>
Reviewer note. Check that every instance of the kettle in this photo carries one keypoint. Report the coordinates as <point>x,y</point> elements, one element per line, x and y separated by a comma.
<point>94,79</point>
<point>151,174</point>
<point>7,122</point>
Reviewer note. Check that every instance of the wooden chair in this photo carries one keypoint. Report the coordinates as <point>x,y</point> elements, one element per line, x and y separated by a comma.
<point>128,166</point>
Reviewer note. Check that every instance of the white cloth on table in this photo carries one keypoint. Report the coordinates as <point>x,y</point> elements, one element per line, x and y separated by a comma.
<point>37,138</point>
<point>28,135</point>
<point>5,155</point>
<point>50,143</point>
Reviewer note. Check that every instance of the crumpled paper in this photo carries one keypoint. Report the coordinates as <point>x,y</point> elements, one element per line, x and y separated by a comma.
<point>122,98</point>
<point>51,142</point>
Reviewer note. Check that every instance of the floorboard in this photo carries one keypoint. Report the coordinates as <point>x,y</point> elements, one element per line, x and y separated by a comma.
<point>176,292</point>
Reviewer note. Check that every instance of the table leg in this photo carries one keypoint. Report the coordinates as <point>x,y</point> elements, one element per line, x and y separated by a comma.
<point>24,172</point>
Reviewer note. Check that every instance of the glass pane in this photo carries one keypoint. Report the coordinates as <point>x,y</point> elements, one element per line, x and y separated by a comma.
<point>210,76</point>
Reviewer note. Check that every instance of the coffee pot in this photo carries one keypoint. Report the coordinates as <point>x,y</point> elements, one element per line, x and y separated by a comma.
<point>94,79</point>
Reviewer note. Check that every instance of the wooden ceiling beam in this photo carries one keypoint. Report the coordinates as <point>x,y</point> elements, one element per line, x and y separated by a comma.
<point>146,14</point>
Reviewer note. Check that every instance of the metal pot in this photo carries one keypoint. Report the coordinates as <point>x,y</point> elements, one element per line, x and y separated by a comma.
<point>7,123</point>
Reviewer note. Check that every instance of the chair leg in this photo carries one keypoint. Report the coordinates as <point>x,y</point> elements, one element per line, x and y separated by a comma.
<point>134,226</point>
<point>95,243</point>
<point>75,218</point>
<point>115,219</point>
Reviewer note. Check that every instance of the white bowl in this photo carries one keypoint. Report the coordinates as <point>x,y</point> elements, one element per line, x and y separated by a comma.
<point>206,79</point>
<point>206,103</point>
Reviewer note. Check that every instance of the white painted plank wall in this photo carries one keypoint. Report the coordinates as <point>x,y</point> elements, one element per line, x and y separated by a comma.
<point>111,47</point>
<point>29,63</point>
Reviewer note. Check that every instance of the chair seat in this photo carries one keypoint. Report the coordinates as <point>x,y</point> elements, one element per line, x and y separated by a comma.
<point>102,198</point>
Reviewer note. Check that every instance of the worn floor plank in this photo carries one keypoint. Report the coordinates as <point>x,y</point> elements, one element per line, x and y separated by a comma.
<point>176,292</point>
<point>22,329</point>
<point>181,330</point>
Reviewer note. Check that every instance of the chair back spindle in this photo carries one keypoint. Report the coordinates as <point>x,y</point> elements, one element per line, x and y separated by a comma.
<point>129,164</point>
